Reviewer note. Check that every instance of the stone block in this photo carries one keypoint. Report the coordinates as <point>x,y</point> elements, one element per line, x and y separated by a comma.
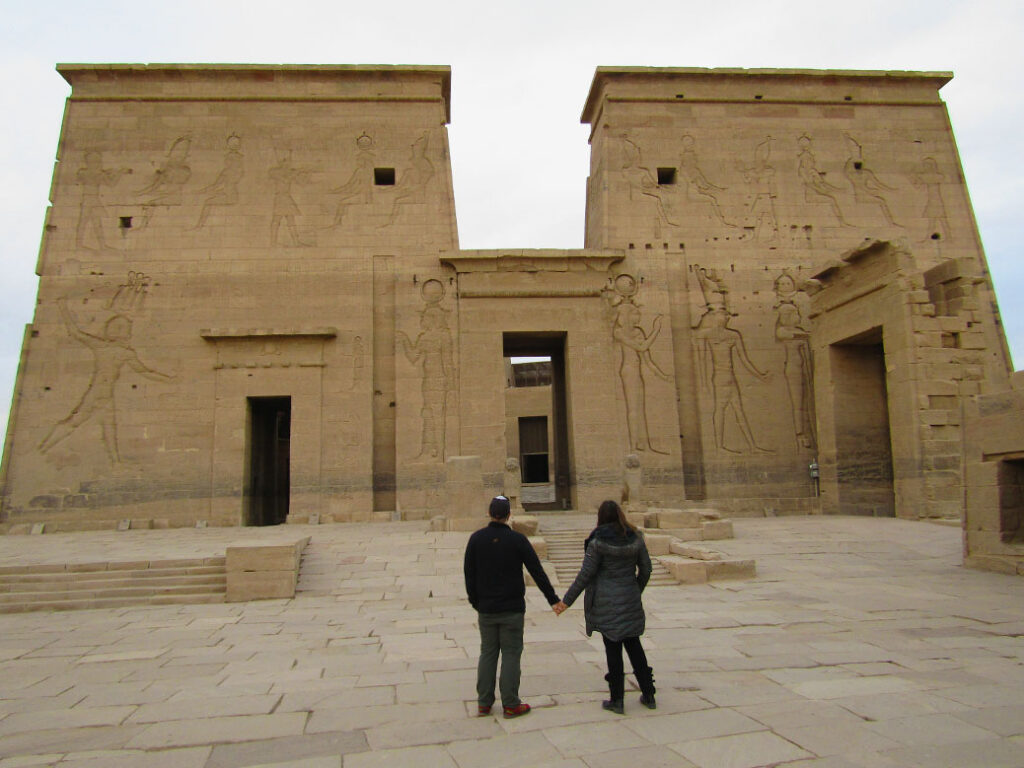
<point>695,553</point>
<point>37,529</point>
<point>262,557</point>
<point>468,524</point>
<point>525,524</point>
<point>639,519</point>
<point>678,518</point>
<point>716,529</point>
<point>540,546</point>
<point>260,585</point>
<point>686,534</point>
<point>438,523</point>
<point>731,569</point>
<point>684,570</point>
<point>658,543</point>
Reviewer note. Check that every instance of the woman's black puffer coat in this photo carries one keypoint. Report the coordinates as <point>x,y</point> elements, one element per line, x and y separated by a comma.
<point>615,571</point>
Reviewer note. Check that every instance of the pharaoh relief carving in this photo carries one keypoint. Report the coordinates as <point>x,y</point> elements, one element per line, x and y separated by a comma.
<point>792,333</point>
<point>930,179</point>
<point>867,187</point>
<point>643,184</point>
<point>412,186</point>
<point>112,350</point>
<point>223,190</point>
<point>635,360</point>
<point>761,195</point>
<point>282,176</point>
<point>92,177</point>
<point>716,347</point>
<point>816,187</point>
<point>698,184</point>
<point>358,190</point>
<point>431,352</point>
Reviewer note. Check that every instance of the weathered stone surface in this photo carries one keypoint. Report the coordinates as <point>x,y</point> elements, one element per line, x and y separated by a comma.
<point>685,570</point>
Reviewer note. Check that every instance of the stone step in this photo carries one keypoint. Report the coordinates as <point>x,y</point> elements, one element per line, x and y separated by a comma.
<point>565,553</point>
<point>76,586</point>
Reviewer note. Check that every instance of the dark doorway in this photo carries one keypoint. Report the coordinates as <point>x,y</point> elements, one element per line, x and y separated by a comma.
<point>863,443</point>
<point>539,458</point>
<point>268,466</point>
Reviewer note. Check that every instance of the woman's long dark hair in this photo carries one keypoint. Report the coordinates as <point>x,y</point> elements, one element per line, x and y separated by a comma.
<point>611,512</point>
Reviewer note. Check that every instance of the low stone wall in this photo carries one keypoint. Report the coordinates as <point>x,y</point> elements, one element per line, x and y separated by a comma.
<point>263,571</point>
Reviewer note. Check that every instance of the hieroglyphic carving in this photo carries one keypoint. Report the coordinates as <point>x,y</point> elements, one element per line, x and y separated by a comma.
<point>633,346</point>
<point>432,351</point>
<point>762,193</point>
<point>716,346</point>
<point>358,190</point>
<point>702,187</point>
<point>92,176</point>
<point>170,176</point>
<point>642,183</point>
<point>223,190</point>
<point>112,351</point>
<point>793,333</point>
<point>412,186</point>
<point>929,177</point>
<point>867,187</point>
<point>282,176</point>
<point>358,361</point>
<point>814,181</point>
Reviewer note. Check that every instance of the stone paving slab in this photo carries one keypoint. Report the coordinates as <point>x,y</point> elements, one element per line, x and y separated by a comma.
<point>862,643</point>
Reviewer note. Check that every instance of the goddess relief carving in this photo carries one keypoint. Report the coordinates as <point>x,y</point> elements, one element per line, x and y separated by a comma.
<point>815,184</point>
<point>867,187</point>
<point>929,177</point>
<point>633,349</point>
<point>223,190</point>
<point>792,333</point>
<point>643,185</point>
<point>432,353</point>
<point>170,176</point>
<point>701,186</point>
<point>412,186</point>
<point>358,190</point>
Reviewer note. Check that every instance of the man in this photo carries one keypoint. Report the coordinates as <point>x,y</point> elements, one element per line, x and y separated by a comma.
<point>493,565</point>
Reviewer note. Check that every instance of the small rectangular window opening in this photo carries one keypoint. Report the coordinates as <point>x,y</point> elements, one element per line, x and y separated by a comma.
<point>126,222</point>
<point>384,177</point>
<point>666,176</point>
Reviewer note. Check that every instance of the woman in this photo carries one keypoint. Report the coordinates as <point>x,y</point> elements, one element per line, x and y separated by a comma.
<point>615,570</point>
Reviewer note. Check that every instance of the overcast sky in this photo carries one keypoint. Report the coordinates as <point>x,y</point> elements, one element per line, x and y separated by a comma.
<point>521,70</point>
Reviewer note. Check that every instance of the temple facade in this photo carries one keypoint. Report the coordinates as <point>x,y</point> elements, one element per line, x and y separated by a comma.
<point>253,307</point>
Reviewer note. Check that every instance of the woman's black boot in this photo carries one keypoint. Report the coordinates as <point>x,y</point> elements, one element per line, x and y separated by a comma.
<point>645,679</point>
<point>616,688</point>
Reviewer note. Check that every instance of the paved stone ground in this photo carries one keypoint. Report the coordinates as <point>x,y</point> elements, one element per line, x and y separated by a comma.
<point>861,643</point>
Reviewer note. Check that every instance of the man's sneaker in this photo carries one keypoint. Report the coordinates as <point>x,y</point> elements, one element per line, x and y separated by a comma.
<point>519,709</point>
<point>482,711</point>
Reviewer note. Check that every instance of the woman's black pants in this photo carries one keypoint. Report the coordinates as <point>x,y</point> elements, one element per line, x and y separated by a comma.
<point>637,658</point>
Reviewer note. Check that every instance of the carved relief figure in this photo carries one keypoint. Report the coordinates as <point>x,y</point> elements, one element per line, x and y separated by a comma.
<point>689,167</point>
<point>867,187</point>
<point>432,351</point>
<point>412,186</point>
<point>716,346</point>
<point>632,485</point>
<point>929,177</point>
<point>224,189</point>
<point>282,176</point>
<point>358,361</point>
<point>792,333</point>
<point>761,209</point>
<point>170,176</point>
<point>92,176</point>
<point>643,185</point>
<point>358,190</point>
<point>112,351</point>
<point>814,181</point>
<point>513,483</point>
<point>633,348</point>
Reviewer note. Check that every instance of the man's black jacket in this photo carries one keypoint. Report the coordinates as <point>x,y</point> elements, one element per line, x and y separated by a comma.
<point>494,562</point>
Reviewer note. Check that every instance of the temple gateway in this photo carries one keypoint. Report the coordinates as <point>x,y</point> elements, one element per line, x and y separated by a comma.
<point>253,307</point>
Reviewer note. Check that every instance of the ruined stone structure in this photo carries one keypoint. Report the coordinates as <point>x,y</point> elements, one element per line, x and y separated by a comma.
<point>253,306</point>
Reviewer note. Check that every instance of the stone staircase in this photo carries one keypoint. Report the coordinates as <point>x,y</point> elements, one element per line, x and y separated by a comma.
<point>111,585</point>
<point>565,536</point>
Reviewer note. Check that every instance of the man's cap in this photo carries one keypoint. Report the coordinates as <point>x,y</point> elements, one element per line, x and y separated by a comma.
<point>500,508</point>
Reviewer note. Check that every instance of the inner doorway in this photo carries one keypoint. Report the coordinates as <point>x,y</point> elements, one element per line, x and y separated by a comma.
<point>537,418</point>
<point>268,451</point>
<point>863,443</point>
